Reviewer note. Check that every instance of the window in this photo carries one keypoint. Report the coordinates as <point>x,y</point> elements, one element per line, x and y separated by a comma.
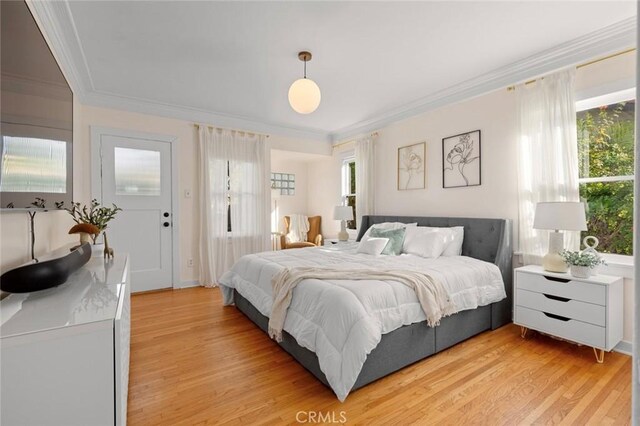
<point>349,187</point>
<point>33,165</point>
<point>606,173</point>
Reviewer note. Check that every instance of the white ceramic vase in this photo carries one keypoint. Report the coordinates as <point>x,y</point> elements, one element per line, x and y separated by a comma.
<point>579,271</point>
<point>97,250</point>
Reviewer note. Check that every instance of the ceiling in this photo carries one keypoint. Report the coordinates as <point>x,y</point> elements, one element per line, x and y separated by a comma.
<point>237,59</point>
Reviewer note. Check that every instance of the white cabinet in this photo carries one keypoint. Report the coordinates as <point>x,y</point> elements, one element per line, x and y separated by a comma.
<point>65,351</point>
<point>583,310</point>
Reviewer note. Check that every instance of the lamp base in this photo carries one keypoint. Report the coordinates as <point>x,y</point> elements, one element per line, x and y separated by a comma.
<point>552,261</point>
<point>343,236</point>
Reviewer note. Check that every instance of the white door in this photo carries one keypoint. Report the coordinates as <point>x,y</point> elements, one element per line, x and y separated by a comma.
<point>136,176</point>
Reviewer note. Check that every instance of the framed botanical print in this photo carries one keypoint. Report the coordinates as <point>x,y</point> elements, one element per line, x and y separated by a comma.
<point>411,166</point>
<point>461,160</point>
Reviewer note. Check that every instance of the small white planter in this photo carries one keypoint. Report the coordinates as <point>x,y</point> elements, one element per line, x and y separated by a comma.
<point>580,271</point>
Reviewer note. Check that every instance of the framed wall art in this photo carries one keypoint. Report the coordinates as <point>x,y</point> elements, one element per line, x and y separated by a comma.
<point>461,160</point>
<point>412,162</point>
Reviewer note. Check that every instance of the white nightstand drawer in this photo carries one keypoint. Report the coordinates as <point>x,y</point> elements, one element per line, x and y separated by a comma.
<point>571,329</point>
<point>574,309</point>
<point>576,290</point>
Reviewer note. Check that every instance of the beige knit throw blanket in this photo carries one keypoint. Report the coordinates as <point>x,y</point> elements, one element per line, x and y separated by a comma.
<point>430,292</point>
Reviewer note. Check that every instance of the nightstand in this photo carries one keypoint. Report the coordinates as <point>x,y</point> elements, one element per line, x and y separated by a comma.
<point>588,311</point>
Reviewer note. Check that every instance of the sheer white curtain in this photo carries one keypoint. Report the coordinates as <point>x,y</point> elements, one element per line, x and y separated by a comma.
<point>365,178</point>
<point>547,156</point>
<point>234,174</point>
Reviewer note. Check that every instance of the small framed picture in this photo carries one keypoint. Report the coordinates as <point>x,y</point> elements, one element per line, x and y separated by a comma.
<point>461,160</point>
<point>411,166</point>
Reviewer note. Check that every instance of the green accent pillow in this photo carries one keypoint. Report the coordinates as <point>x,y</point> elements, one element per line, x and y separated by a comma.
<point>395,236</point>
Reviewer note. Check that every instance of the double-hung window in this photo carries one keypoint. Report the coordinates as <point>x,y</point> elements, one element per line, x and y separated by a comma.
<point>349,187</point>
<point>606,129</point>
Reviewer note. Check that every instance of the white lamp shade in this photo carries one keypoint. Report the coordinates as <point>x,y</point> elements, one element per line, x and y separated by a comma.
<point>566,216</point>
<point>343,213</point>
<point>304,96</point>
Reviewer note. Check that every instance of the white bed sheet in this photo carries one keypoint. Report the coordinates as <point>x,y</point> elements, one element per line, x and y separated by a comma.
<point>343,321</point>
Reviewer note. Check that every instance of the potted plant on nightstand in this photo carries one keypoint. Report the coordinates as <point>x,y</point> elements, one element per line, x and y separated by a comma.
<point>581,263</point>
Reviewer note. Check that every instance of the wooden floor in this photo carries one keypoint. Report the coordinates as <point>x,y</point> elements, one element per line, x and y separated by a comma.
<point>195,362</point>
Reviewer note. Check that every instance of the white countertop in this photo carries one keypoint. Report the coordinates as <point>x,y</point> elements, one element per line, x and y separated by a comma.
<point>89,295</point>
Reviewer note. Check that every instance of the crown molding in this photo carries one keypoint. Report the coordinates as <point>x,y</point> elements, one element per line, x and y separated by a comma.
<point>57,24</point>
<point>143,106</point>
<point>615,37</point>
<point>59,30</point>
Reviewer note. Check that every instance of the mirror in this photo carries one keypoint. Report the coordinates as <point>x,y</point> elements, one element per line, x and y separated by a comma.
<point>36,144</point>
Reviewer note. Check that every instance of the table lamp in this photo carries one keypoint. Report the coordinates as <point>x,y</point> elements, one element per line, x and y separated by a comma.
<point>558,216</point>
<point>343,213</point>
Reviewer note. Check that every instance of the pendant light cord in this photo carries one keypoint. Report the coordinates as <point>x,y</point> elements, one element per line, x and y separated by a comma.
<point>305,68</point>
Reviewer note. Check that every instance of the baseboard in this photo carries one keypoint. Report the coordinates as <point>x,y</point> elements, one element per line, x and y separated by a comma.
<point>188,284</point>
<point>624,347</point>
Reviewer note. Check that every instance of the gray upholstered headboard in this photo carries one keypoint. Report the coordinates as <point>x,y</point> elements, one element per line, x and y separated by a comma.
<point>484,239</point>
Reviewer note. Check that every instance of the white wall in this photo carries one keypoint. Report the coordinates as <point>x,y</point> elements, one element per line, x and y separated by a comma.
<point>495,115</point>
<point>52,227</point>
<point>325,192</point>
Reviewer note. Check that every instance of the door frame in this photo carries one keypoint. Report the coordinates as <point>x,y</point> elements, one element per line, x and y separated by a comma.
<point>96,182</point>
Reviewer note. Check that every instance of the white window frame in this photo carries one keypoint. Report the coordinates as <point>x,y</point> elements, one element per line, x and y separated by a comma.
<point>346,187</point>
<point>346,177</point>
<point>615,260</point>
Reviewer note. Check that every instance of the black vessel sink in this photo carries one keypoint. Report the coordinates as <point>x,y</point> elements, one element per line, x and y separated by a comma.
<point>45,274</point>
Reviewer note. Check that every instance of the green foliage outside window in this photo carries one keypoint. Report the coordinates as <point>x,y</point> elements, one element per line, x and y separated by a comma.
<point>605,149</point>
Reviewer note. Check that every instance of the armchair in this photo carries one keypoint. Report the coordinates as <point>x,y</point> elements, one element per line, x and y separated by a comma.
<point>314,236</point>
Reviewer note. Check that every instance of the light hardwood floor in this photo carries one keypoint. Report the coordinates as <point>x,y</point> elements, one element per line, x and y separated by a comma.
<point>196,362</point>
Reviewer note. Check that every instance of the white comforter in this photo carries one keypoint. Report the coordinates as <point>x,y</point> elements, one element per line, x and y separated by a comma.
<point>343,321</point>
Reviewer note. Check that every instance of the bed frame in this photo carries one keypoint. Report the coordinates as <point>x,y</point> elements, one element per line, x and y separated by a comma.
<point>484,239</point>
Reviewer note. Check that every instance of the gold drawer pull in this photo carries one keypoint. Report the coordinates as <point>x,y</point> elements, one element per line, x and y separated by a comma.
<point>558,298</point>
<point>560,280</point>
<point>558,317</point>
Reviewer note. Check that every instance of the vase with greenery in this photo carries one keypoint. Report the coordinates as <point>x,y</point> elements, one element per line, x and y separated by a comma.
<point>94,214</point>
<point>581,263</point>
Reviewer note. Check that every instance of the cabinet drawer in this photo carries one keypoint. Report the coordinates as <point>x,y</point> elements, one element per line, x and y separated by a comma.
<point>574,309</point>
<point>575,290</point>
<point>574,330</point>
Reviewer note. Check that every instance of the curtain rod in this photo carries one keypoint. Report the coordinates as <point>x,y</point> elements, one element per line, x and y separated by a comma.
<point>586,64</point>
<point>209,126</point>
<point>373,135</point>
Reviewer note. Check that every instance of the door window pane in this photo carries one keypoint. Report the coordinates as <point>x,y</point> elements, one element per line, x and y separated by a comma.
<point>33,165</point>
<point>137,171</point>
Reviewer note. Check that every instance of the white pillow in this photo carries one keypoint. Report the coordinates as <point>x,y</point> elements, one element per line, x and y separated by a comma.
<point>424,242</point>
<point>372,245</point>
<point>387,226</point>
<point>454,237</point>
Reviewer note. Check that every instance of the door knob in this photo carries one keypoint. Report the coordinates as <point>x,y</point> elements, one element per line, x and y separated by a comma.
<point>166,224</point>
<point>165,214</point>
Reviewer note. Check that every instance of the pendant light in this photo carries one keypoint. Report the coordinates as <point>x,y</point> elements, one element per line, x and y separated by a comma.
<point>304,93</point>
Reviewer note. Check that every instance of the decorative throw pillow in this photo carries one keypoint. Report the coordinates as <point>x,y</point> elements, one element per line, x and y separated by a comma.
<point>424,242</point>
<point>395,236</point>
<point>372,246</point>
<point>387,226</point>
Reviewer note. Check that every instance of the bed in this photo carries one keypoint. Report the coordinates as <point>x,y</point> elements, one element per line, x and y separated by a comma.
<point>406,341</point>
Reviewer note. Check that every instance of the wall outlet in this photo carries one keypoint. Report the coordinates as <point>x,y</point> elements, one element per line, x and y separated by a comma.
<point>190,263</point>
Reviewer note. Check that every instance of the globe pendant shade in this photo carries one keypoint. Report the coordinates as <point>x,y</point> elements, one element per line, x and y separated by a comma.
<point>304,96</point>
